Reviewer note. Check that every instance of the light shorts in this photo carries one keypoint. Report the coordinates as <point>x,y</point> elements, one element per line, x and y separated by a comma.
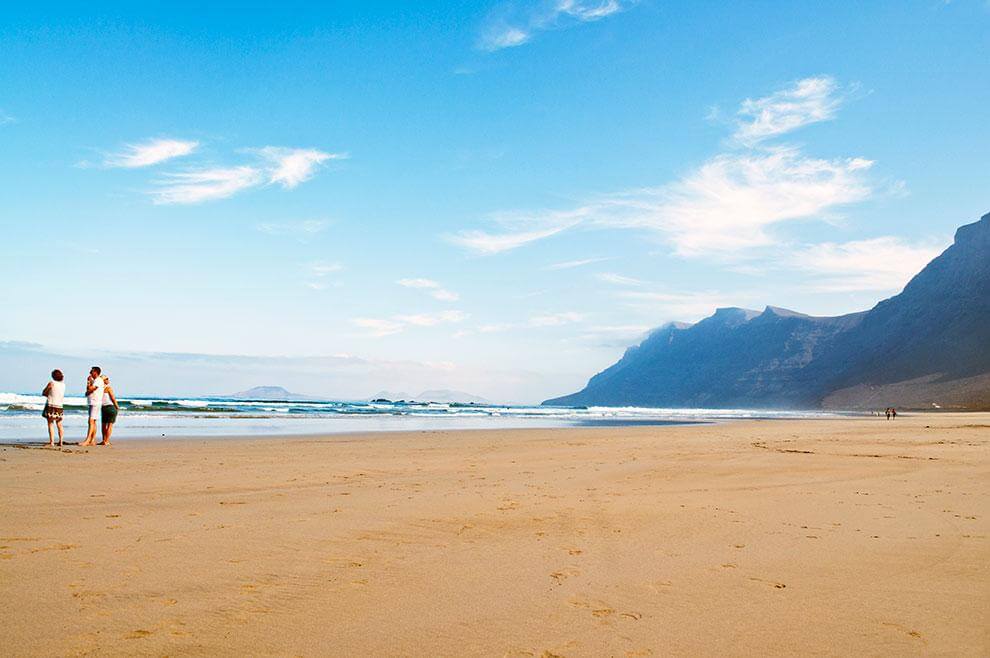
<point>94,412</point>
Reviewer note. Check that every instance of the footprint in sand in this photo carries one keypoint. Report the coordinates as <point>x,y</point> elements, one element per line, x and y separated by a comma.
<point>574,551</point>
<point>769,582</point>
<point>138,634</point>
<point>602,613</point>
<point>564,574</point>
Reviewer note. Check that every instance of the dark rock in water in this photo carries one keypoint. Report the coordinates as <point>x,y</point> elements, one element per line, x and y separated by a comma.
<point>381,401</point>
<point>927,347</point>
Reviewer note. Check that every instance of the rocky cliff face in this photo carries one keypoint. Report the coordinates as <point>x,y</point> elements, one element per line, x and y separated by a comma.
<point>928,345</point>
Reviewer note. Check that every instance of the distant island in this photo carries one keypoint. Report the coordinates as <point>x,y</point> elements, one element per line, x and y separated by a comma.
<point>926,348</point>
<point>438,395</point>
<point>270,394</point>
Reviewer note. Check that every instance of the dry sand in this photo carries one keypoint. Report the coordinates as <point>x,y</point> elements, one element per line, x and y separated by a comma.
<point>847,537</point>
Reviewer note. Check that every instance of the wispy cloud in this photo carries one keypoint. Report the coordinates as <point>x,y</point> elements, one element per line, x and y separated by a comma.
<point>323,268</point>
<point>399,323</point>
<point>683,306</point>
<point>618,279</point>
<point>613,336</point>
<point>569,264</point>
<point>150,152</point>
<point>878,264</point>
<point>727,205</point>
<point>555,319</point>
<point>318,275</point>
<point>807,101</point>
<point>289,167</point>
<point>435,289</point>
<point>432,319</point>
<point>205,185</point>
<point>301,230</point>
<point>6,118</point>
<point>507,29</point>
<point>378,327</point>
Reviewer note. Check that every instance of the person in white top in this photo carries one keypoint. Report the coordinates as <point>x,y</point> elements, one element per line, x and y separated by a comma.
<point>94,399</point>
<point>54,394</point>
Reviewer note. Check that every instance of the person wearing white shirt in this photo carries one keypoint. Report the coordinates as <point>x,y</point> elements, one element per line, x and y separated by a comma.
<point>94,400</point>
<point>54,394</point>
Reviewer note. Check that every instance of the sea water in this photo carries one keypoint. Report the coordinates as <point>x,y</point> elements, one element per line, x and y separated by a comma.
<point>148,417</point>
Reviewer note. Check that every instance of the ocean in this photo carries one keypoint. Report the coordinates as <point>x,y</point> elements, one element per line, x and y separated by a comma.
<point>150,417</point>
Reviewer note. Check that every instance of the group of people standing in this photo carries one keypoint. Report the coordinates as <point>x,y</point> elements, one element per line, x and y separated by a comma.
<point>100,399</point>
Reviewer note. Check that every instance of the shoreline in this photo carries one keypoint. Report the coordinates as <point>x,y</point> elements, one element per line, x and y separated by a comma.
<point>839,536</point>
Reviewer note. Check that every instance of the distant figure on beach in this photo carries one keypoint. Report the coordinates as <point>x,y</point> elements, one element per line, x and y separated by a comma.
<point>887,411</point>
<point>94,400</point>
<point>54,394</point>
<point>893,413</point>
<point>108,412</point>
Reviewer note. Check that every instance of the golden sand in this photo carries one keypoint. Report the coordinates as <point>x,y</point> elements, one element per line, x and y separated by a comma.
<point>845,537</point>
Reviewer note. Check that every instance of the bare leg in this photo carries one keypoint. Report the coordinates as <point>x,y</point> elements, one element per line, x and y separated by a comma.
<point>90,434</point>
<point>51,433</point>
<point>58,424</point>
<point>107,431</point>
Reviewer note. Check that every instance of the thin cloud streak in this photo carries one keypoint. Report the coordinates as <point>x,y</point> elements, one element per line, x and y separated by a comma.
<point>205,185</point>
<point>878,264</point>
<point>434,289</point>
<point>512,31</point>
<point>379,327</point>
<point>808,101</point>
<point>570,264</point>
<point>618,279</point>
<point>150,152</point>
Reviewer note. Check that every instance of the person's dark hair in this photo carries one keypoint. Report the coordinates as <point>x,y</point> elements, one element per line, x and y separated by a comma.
<point>97,369</point>
<point>57,375</point>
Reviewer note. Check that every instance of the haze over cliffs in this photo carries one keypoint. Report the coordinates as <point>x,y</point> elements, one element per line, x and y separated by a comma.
<point>928,346</point>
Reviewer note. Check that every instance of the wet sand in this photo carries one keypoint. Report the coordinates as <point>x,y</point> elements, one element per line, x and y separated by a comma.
<point>845,537</point>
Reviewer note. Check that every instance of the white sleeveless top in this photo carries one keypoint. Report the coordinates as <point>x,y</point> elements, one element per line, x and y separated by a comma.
<point>56,394</point>
<point>107,402</point>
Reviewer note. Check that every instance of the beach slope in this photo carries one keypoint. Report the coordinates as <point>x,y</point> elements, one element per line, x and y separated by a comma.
<point>826,537</point>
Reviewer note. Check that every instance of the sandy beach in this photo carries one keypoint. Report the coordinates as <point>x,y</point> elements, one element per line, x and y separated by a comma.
<point>845,537</point>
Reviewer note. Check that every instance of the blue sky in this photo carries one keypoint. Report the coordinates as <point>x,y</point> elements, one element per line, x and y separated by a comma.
<point>495,197</point>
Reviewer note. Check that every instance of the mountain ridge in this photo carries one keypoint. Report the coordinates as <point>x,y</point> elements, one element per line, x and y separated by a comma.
<point>910,347</point>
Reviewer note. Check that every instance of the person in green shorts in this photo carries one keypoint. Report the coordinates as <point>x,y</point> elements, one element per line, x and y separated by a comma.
<point>108,412</point>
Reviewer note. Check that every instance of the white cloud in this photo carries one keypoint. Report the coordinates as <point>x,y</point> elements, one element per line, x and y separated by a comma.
<point>6,118</point>
<point>618,279</point>
<point>728,204</point>
<point>510,31</point>
<point>432,319</point>
<point>399,323</point>
<point>808,101</point>
<point>683,306</point>
<point>725,206</point>
<point>878,264</point>
<point>290,166</point>
<point>299,230</point>
<point>285,166</point>
<point>151,152</point>
<point>323,268</point>
<point>555,319</point>
<point>569,264</point>
<point>493,243</point>
<point>205,185</point>
<point>378,327</point>
<point>435,289</point>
